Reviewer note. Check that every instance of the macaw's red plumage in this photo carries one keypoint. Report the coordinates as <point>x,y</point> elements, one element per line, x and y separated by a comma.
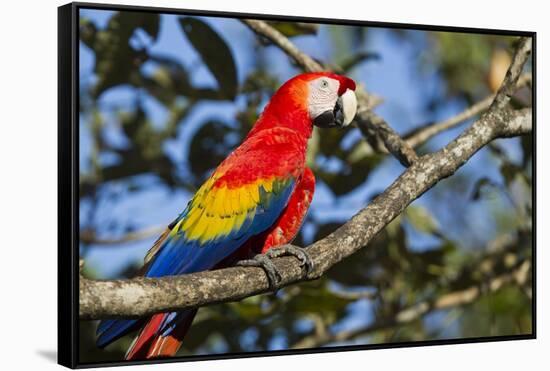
<point>254,201</point>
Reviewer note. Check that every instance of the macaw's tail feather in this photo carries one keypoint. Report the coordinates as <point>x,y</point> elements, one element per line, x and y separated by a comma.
<point>111,329</point>
<point>155,342</point>
<point>139,347</point>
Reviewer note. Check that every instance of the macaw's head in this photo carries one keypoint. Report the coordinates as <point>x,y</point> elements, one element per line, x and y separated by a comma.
<point>331,99</point>
<point>323,99</point>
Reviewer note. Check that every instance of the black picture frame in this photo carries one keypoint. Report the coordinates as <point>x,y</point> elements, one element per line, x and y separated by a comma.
<point>68,172</point>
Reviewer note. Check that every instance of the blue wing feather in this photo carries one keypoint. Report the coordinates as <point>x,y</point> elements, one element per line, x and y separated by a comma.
<point>178,255</point>
<point>111,329</point>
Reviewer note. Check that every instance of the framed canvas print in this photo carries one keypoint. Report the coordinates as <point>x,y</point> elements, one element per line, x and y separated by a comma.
<point>236,185</point>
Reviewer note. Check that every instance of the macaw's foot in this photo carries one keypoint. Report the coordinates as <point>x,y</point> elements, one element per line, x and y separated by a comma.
<point>264,261</point>
<point>289,250</point>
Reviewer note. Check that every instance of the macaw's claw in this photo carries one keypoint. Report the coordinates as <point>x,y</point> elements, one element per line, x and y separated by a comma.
<point>265,262</point>
<point>300,253</point>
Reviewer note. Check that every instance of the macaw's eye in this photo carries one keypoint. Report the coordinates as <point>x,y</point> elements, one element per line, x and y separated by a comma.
<point>324,83</point>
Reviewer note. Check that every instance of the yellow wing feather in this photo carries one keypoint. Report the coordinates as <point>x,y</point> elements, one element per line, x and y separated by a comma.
<point>217,211</point>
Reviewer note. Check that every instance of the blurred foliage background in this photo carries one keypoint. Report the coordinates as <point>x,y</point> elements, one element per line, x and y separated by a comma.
<point>164,98</point>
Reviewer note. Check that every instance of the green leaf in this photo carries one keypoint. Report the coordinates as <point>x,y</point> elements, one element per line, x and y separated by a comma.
<point>125,23</point>
<point>464,60</point>
<point>209,147</point>
<point>249,308</point>
<point>116,61</point>
<point>214,52</point>
<point>352,171</point>
<point>291,29</point>
<point>421,219</point>
<point>347,64</point>
<point>481,184</point>
<point>87,32</point>
<point>146,154</point>
<point>370,265</point>
<point>510,172</point>
<point>170,80</point>
<point>316,298</point>
<point>527,148</point>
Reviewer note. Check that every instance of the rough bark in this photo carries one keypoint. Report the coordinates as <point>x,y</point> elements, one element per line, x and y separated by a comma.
<point>421,135</point>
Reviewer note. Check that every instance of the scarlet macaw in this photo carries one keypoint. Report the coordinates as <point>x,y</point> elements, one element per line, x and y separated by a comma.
<point>254,202</point>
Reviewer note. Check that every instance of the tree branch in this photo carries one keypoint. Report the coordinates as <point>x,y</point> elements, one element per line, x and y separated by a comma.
<point>145,296</point>
<point>369,123</point>
<point>265,30</point>
<point>509,84</point>
<point>421,135</point>
<point>89,236</point>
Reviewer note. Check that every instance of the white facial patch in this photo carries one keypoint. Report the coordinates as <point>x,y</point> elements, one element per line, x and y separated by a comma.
<point>323,94</point>
<point>349,106</point>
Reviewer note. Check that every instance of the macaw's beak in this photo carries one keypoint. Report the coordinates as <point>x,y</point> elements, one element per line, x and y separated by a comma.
<point>342,114</point>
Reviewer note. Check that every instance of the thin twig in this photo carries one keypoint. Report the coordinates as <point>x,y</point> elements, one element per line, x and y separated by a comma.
<point>508,87</point>
<point>89,237</point>
<point>420,136</point>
